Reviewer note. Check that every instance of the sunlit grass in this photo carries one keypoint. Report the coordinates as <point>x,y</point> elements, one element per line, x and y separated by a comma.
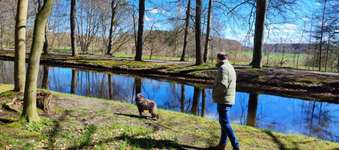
<point>91,123</point>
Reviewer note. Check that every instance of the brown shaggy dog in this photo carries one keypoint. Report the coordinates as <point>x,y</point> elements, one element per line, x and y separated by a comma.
<point>146,104</point>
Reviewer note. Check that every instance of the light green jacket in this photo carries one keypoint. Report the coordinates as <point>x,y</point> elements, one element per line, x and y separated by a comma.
<point>224,87</point>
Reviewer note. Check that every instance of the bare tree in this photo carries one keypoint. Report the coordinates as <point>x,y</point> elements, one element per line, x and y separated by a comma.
<point>259,33</point>
<point>321,34</point>
<point>73,27</point>
<point>139,46</point>
<point>88,23</point>
<point>114,5</point>
<point>198,58</point>
<point>208,29</point>
<point>187,22</point>
<point>29,112</point>
<point>20,45</point>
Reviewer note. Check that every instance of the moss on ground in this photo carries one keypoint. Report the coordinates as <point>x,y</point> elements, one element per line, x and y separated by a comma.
<point>89,123</point>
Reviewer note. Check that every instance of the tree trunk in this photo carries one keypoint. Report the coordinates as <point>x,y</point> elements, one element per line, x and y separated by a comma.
<point>198,58</point>
<point>20,46</point>
<point>1,35</point>
<point>321,35</point>
<point>327,53</point>
<point>30,113</point>
<point>208,28</point>
<point>45,48</point>
<point>138,55</point>
<point>110,41</point>
<point>259,34</point>
<point>74,81</point>
<point>137,85</point>
<point>73,27</point>
<point>187,22</point>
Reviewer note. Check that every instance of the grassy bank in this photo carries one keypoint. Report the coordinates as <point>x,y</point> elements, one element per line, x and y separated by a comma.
<point>89,123</point>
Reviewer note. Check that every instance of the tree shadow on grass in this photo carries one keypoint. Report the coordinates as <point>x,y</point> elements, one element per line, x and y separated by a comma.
<point>56,129</point>
<point>132,116</point>
<point>86,138</point>
<point>280,144</point>
<point>6,121</point>
<point>142,143</point>
<point>146,143</point>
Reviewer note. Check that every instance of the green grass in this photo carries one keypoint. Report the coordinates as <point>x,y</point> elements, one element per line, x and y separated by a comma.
<point>62,49</point>
<point>90,123</point>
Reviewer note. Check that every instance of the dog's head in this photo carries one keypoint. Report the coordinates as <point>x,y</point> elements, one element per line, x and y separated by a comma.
<point>139,97</point>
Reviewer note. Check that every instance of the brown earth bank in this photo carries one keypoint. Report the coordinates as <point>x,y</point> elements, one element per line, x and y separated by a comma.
<point>319,86</point>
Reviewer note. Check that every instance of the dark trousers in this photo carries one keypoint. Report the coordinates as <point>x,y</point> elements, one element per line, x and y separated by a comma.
<point>225,123</point>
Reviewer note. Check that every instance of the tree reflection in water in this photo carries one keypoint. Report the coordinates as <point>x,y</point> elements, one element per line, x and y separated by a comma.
<point>74,81</point>
<point>252,109</point>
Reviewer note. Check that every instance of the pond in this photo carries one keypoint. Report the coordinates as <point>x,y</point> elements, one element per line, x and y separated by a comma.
<point>276,113</point>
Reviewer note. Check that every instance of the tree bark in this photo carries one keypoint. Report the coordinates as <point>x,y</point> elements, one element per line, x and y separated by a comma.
<point>20,46</point>
<point>187,22</point>
<point>30,113</point>
<point>110,41</point>
<point>73,27</point>
<point>208,28</point>
<point>1,35</point>
<point>45,48</point>
<point>138,55</point>
<point>198,58</point>
<point>259,33</point>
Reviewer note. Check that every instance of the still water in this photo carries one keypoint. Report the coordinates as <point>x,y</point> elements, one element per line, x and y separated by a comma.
<point>281,114</point>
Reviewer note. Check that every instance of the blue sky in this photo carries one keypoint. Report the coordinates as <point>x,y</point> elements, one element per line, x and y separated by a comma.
<point>287,30</point>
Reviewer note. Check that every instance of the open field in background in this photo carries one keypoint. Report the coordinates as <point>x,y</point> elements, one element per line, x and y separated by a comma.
<point>272,59</point>
<point>244,57</point>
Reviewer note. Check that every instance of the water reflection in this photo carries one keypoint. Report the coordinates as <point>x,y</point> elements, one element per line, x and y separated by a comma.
<point>288,115</point>
<point>252,109</point>
<point>74,81</point>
